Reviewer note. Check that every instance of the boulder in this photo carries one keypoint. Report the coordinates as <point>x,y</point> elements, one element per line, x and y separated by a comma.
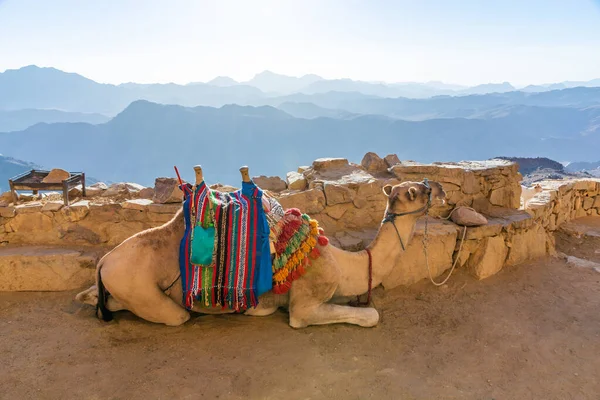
<point>527,245</point>
<point>137,204</point>
<point>146,193</point>
<point>45,268</point>
<point>52,206</point>
<point>489,257</point>
<point>7,211</point>
<point>76,211</point>
<point>323,164</point>
<point>29,208</point>
<point>391,160</point>
<point>122,189</point>
<point>5,199</point>
<point>91,191</point>
<point>373,163</point>
<point>308,201</point>
<point>337,194</point>
<point>57,175</point>
<point>466,216</point>
<point>99,185</point>
<point>166,190</point>
<point>272,183</point>
<point>296,181</point>
<point>75,192</point>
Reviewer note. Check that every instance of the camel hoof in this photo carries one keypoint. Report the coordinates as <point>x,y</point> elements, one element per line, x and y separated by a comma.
<point>370,319</point>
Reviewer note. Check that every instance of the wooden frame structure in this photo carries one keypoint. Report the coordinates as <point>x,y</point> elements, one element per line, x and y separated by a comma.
<point>32,180</point>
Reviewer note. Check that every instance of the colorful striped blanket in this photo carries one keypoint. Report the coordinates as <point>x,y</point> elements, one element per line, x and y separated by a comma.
<point>245,222</point>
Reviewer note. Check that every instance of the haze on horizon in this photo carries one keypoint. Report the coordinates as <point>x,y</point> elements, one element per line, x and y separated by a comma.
<point>116,41</point>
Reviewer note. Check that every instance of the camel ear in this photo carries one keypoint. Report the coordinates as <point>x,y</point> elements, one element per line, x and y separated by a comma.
<point>412,193</point>
<point>387,190</point>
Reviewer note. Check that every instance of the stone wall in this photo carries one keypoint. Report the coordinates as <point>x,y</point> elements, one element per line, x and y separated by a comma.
<point>347,200</point>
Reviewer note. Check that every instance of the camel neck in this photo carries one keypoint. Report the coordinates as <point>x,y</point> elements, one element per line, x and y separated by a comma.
<point>385,250</point>
<point>387,245</point>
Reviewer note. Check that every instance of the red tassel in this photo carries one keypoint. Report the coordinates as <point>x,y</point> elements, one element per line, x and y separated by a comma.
<point>315,253</point>
<point>294,211</point>
<point>323,240</point>
<point>300,269</point>
<point>321,231</point>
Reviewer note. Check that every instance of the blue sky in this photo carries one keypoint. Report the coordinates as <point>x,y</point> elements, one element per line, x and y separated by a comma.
<point>456,41</point>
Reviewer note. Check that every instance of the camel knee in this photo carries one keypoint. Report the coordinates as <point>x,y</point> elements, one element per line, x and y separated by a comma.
<point>179,319</point>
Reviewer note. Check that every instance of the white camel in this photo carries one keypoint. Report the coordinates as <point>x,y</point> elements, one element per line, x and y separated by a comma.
<point>142,273</point>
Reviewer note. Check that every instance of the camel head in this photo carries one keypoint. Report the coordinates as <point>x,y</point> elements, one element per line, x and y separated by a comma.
<point>413,197</point>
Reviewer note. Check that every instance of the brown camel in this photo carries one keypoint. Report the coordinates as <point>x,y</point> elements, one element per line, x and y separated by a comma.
<point>141,274</point>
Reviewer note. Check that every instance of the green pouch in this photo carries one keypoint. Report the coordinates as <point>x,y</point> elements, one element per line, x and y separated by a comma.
<point>203,243</point>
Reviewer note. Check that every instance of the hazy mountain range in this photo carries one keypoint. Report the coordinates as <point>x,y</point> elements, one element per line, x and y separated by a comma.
<point>48,88</point>
<point>10,167</point>
<point>147,139</point>
<point>274,123</point>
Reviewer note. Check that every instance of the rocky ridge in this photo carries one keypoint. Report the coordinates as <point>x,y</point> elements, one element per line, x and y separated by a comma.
<point>345,198</point>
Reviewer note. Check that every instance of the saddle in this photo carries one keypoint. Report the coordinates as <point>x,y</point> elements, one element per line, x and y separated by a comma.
<point>239,245</point>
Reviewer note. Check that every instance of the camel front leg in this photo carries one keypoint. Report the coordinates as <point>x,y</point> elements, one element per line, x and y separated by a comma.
<point>334,314</point>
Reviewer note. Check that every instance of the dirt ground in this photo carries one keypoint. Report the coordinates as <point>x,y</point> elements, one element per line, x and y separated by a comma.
<point>530,332</point>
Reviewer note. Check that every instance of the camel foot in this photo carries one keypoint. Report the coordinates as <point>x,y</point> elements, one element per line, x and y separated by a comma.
<point>260,311</point>
<point>333,314</point>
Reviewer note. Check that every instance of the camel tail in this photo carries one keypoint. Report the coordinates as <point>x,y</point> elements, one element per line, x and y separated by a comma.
<point>101,311</point>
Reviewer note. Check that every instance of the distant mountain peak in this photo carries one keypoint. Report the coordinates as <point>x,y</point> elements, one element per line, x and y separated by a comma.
<point>223,81</point>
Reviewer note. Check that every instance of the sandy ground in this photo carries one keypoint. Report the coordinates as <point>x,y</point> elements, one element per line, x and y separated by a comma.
<point>530,332</point>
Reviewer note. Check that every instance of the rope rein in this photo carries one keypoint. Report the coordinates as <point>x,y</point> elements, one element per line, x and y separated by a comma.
<point>425,240</point>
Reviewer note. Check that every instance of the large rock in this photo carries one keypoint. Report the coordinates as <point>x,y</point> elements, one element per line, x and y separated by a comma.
<point>489,257</point>
<point>45,268</point>
<point>296,181</point>
<point>7,212</point>
<point>323,164</point>
<point>52,206</point>
<point>76,211</point>
<point>137,204</point>
<point>391,160</point>
<point>5,199</point>
<point>527,245</point>
<point>146,193</point>
<point>337,194</point>
<point>166,190</point>
<point>122,189</point>
<point>99,185</point>
<point>272,183</point>
<point>57,175</point>
<point>373,163</point>
<point>308,201</point>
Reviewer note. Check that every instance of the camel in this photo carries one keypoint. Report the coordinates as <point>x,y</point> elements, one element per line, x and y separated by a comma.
<point>142,273</point>
<point>528,193</point>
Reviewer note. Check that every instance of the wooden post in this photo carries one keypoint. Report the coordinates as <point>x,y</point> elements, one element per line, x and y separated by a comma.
<point>245,175</point>
<point>13,191</point>
<point>83,184</point>
<point>199,174</point>
<point>66,193</point>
